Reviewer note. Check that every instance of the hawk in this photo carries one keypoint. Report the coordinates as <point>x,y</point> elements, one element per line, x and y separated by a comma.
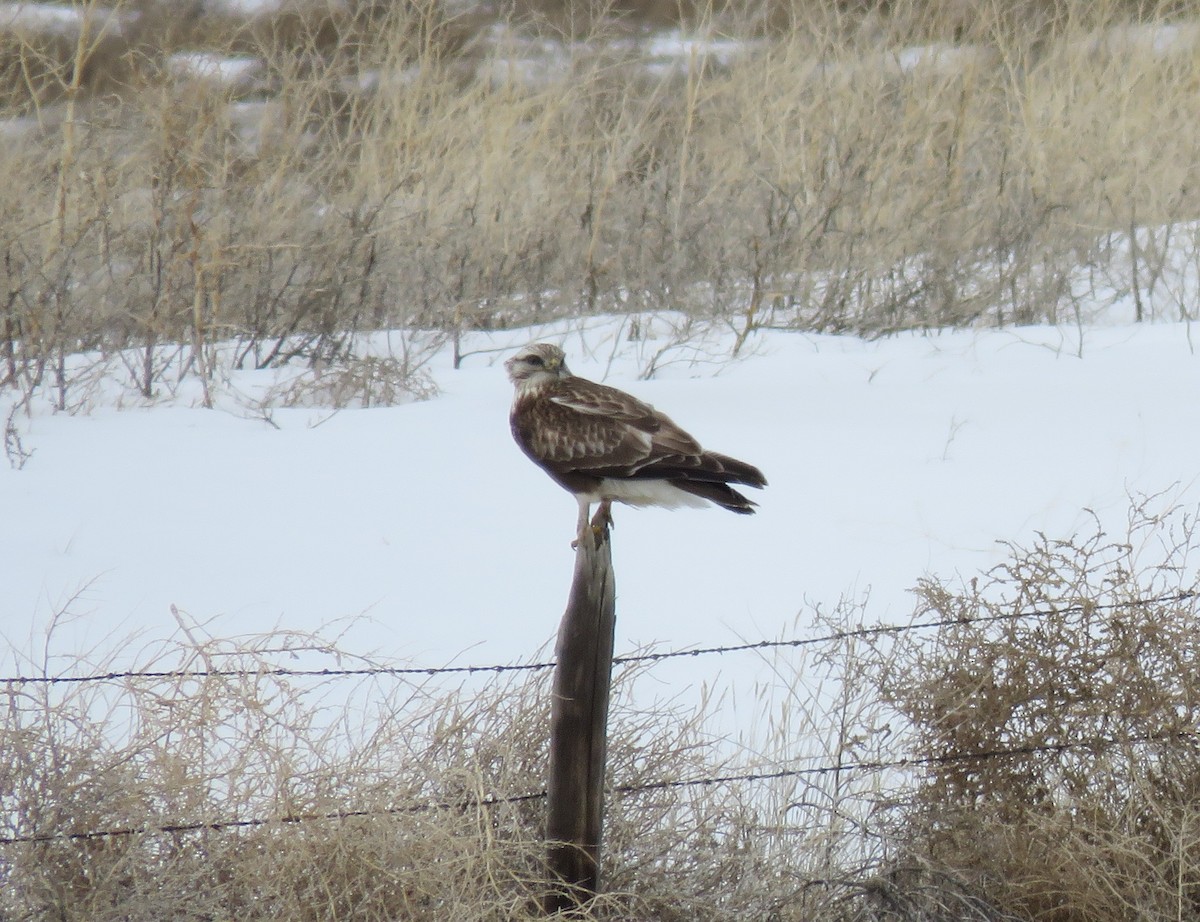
<point>606,446</point>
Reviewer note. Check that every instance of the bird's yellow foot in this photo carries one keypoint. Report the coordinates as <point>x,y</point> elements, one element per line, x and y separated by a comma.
<point>602,521</point>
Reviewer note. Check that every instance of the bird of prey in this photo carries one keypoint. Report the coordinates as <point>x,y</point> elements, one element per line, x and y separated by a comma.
<point>606,446</point>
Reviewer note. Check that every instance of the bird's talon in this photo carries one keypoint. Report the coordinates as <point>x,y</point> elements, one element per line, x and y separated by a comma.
<point>602,521</point>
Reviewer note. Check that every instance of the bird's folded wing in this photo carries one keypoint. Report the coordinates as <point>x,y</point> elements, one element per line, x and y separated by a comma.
<point>623,414</point>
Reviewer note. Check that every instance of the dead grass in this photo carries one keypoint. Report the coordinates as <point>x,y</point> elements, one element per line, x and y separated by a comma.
<point>374,795</point>
<point>1033,759</point>
<point>406,167</point>
<point>1092,814</point>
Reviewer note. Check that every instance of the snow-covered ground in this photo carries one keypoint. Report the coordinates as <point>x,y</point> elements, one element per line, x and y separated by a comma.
<point>59,19</point>
<point>422,535</point>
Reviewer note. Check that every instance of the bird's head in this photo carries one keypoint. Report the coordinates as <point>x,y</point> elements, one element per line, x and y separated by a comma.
<point>536,365</point>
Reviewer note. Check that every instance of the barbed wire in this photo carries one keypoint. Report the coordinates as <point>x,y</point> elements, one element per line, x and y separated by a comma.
<point>851,767</point>
<point>863,631</point>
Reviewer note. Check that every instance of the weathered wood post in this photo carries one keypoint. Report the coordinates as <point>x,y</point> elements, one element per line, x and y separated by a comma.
<point>578,726</point>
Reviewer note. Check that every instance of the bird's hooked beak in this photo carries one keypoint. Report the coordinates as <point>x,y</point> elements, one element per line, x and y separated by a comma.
<point>536,365</point>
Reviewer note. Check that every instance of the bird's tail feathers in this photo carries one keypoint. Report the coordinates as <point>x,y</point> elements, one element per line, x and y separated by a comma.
<point>720,493</point>
<point>731,470</point>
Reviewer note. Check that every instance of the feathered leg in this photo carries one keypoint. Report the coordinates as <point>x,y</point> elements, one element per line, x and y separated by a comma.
<point>601,522</point>
<point>581,526</point>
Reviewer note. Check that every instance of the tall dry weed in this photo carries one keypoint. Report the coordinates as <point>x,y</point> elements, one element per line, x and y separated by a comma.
<point>1071,789</point>
<point>220,787</point>
<point>1034,756</point>
<point>410,166</point>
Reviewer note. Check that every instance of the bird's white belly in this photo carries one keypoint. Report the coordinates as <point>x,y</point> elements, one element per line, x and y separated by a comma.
<point>644,493</point>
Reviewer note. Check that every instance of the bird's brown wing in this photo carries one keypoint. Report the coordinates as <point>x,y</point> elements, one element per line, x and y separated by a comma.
<point>579,426</point>
<point>622,436</point>
<point>648,443</point>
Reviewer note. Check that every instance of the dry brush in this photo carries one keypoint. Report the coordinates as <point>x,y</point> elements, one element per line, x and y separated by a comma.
<point>413,167</point>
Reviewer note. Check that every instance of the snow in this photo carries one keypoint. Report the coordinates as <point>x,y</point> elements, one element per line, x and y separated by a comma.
<point>58,19</point>
<point>262,8</point>
<point>240,71</point>
<point>521,61</point>
<point>1154,40</point>
<point>672,52</point>
<point>421,535</point>
<point>940,59</point>
<point>676,44</point>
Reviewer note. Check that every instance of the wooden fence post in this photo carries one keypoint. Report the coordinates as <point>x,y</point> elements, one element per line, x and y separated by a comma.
<point>578,727</point>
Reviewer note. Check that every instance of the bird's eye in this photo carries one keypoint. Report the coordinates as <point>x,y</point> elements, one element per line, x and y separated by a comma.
<point>535,361</point>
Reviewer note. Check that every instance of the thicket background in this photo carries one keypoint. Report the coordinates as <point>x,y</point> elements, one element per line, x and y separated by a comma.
<point>438,166</point>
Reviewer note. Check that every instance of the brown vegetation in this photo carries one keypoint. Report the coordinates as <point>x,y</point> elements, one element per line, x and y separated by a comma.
<point>375,798</point>
<point>1093,813</point>
<point>1034,757</point>
<point>405,166</point>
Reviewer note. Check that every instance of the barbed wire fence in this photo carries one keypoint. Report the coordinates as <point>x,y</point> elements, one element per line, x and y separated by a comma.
<point>851,767</point>
<point>736,778</point>
<point>861,632</point>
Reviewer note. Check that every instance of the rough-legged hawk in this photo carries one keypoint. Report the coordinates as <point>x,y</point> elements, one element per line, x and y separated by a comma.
<point>605,446</point>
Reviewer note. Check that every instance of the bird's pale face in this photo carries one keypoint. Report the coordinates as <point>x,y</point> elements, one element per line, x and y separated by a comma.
<point>537,364</point>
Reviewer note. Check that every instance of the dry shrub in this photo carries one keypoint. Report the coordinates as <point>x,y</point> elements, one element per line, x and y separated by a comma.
<point>813,181</point>
<point>240,744</point>
<point>181,211</point>
<point>45,56</point>
<point>407,166</point>
<point>1050,722</point>
<point>919,21</point>
<point>359,382</point>
<point>1074,773</point>
<point>223,788</point>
